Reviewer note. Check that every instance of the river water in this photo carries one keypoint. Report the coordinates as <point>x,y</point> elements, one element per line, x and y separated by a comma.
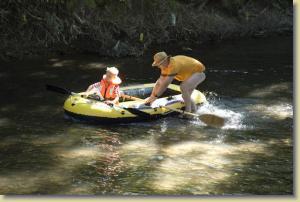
<point>249,82</point>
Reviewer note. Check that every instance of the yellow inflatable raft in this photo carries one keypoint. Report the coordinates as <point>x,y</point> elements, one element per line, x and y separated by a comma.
<point>81,108</point>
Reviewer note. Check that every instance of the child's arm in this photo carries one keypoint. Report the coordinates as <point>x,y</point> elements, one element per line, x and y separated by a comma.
<point>116,100</point>
<point>95,85</point>
<point>117,93</point>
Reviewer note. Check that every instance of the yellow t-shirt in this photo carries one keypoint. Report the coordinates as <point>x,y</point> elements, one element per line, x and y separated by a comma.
<point>182,67</point>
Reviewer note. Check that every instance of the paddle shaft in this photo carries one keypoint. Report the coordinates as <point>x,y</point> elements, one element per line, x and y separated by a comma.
<point>169,108</point>
<point>58,89</point>
<point>61,90</point>
<point>131,97</point>
<point>181,111</point>
<point>209,119</point>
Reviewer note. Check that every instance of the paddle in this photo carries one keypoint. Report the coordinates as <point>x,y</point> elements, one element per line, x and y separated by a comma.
<point>59,90</point>
<point>208,119</point>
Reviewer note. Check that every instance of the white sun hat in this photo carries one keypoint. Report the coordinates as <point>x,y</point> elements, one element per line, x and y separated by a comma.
<point>115,72</point>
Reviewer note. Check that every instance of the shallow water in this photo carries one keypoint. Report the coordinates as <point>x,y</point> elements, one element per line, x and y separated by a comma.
<point>249,82</point>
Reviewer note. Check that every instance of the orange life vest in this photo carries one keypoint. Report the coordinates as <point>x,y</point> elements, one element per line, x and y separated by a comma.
<point>108,90</point>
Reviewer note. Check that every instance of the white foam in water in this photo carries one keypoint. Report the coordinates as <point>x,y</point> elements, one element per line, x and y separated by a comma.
<point>283,110</point>
<point>275,111</point>
<point>233,120</point>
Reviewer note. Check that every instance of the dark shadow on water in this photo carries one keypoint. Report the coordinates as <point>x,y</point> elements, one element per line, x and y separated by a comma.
<point>263,172</point>
<point>24,156</point>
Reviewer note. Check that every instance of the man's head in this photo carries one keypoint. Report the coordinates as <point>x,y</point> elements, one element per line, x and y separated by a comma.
<point>161,60</point>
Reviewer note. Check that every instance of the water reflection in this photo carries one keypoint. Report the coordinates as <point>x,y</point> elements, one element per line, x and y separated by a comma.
<point>200,165</point>
<point>272,90</point>
<point>278,111</point>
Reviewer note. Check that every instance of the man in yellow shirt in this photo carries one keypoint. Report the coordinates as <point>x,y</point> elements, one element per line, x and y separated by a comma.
<point>187,70</point>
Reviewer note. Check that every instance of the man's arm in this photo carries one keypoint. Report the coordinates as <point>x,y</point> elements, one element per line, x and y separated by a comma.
<point>161,86</point>
<point>156,86</point>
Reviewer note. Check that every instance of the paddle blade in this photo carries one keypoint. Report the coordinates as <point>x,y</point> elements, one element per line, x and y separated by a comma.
<point>212,120</point>
<point>58,89</point>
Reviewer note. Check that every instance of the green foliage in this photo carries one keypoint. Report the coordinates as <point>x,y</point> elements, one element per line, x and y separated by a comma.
<point>97,25</point>
<point>88,4</point>
<point>173,5</point>
<point>24,19</point>
<point>232,5</point>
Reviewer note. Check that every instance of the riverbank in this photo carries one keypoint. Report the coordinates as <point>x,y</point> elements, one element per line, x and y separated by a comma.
<point>131,27</point>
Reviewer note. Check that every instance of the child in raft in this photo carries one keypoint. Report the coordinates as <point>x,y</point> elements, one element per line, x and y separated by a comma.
<point>108,88</point>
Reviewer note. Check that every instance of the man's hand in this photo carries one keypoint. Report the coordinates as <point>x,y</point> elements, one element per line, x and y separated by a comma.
<point>150,99</point>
